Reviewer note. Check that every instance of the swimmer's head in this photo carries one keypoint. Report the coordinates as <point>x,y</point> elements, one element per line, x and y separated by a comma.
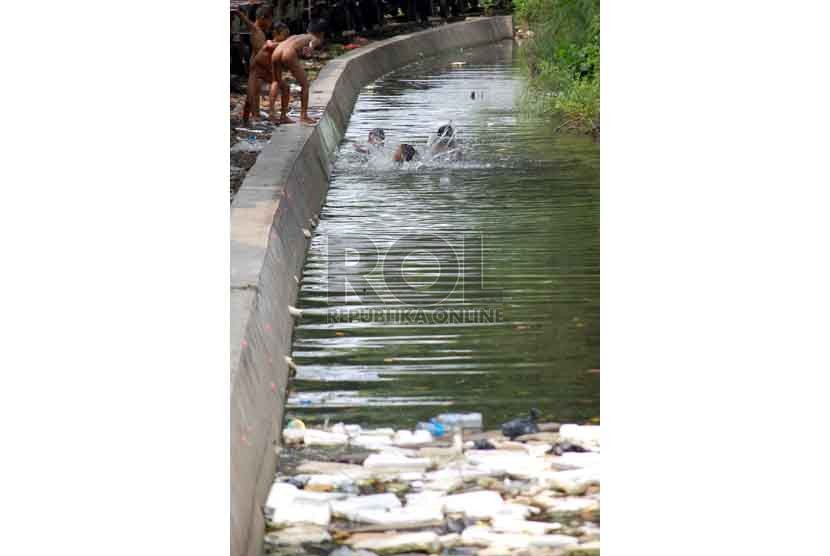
<point>317,29</point>
<point>405,153</point>
<point>446,134</point>
<point>377,136</point>
<point>281,31</point>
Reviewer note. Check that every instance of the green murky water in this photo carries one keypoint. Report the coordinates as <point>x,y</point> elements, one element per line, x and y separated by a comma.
<point>469,285</point>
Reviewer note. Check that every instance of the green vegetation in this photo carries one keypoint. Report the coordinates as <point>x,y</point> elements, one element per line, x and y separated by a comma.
<point>561,57</point>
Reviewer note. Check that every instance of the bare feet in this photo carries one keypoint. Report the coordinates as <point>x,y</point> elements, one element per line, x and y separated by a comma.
<point>286,120</point>
<point>307,120</point>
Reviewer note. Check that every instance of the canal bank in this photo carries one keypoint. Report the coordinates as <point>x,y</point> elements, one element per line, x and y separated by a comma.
<point>271,221</point>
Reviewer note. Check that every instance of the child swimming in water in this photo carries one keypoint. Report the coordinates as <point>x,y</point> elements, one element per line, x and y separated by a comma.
<point>376,139</point>
<point>445,144</point>
<point>405,153</point>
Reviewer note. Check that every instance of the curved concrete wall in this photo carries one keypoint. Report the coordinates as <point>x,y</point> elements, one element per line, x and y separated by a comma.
<point>286,186</point>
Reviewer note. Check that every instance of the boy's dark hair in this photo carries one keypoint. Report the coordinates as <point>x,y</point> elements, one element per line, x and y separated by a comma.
<point>318,26</point>
<point>445,133</point>
<point>279,27</point>
<point>408,152</point>
<point>379,133</point>
<point>264,12</point>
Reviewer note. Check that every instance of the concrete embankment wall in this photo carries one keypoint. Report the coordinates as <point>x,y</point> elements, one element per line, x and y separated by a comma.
<point>285,187</point>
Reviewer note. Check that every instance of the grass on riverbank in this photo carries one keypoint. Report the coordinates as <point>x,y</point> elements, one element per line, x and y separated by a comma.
<point>561,58</point>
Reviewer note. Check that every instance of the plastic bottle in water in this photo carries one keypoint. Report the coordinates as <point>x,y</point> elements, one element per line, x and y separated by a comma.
<point>463,420</point>
<point>435,428</point>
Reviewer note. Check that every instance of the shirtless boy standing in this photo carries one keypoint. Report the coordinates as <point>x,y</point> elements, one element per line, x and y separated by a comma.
<point>259,72</point>
<point>258,28</point>
<point>287,57</point>
<point>262,72</point>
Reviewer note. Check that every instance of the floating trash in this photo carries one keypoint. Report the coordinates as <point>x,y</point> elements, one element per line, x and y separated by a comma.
<point>343,489</point>
<point>434,427</point>
<point>463,420</point>
<point>519,427</point>
<point>295,424</point>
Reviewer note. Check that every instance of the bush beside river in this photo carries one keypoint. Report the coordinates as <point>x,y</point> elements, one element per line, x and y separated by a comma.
<point>560,54</point>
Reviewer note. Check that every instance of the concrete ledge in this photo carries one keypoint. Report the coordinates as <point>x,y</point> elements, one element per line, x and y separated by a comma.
<point>285,187</point>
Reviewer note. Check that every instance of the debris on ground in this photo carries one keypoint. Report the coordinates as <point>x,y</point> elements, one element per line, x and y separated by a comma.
<point>465,492</point>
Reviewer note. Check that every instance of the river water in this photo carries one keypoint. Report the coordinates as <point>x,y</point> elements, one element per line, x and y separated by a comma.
<point>442,285</point>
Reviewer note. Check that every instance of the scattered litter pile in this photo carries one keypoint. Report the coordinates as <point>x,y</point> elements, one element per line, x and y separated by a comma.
<point>344,490</point>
